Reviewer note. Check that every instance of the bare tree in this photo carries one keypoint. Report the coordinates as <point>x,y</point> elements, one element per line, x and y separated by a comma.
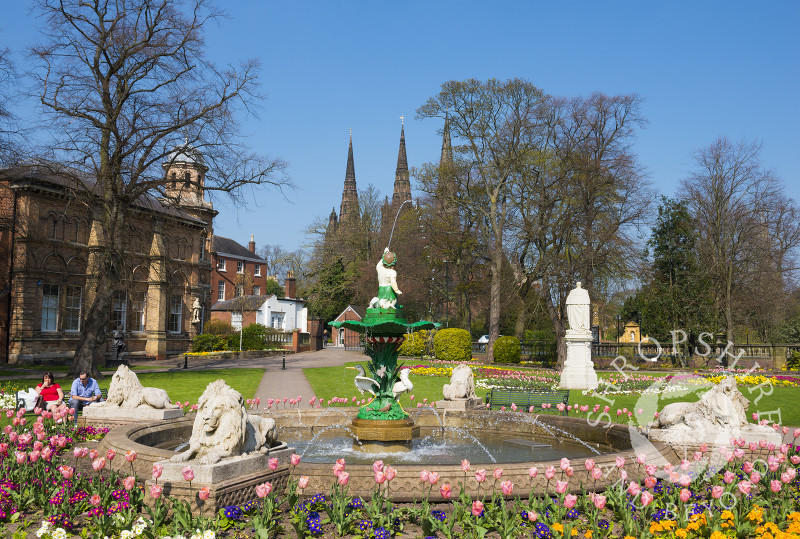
<point>9,130</point>
<point>579,203</point>
<point>741,212</point>
<point>498,126</point>
<point>123,81</point>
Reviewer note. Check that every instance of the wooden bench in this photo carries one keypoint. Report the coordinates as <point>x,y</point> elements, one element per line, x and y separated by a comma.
<point>525,398</point>
<point>67,395</point>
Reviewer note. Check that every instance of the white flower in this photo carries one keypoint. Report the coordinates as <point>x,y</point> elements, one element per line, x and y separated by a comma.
<point>209,534</point>
<point>125,534</point>
<point>60,533</point>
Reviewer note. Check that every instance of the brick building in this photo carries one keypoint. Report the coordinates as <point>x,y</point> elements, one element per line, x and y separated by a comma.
<point>237,270</point>
<point>47,239</point>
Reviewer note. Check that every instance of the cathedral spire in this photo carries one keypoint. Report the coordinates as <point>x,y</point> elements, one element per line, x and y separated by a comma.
<point>349,206</point>
<point>402,185</point>
<point>447,145</point>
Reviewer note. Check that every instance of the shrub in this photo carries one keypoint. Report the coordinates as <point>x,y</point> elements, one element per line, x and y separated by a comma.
<point>452,344</point>
<point>219,328</point>
<point>206,342</point>
<point>507,350</point>
<point>414,345</point>
<point>253,338</point>
<point>793,361</point>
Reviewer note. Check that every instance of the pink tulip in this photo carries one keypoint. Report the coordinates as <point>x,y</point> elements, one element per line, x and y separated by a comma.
<point>110,454</point>
<point>747,467</point>
<point>273,464</point>
<point>755,477</point>
<point>570,500</point>
<point>390,472</point>
<point>380,477</point>
<point>634,489</point>
<point>433,478</point>
<point>561,486</point>
<point>646,498</point>
<point>155,491</point>
<point>728,477</point>
<point>34,456</point>
<point>93,454</point>
<point>423,476</point>
<point>550,472</point>
<point>130,456</point>
<point>377,466</point>
<point>129,482</point>
<point>465,466</point>
<point>685,495</point>
<point>344,477</point>
<point>66,471</point>
<point>589,463</point>
<point>480,476</point>
<point>597,473</point>
<point>95,500</point>
<point>620,461</point>
<point>98,464</point>
<point>158,469</point>
<point>716,491</point>
<point>295,459</point>
<point>302,482</point>
<point>263,490</point>
<point>744,487</point>
<point>599,501</point>
<point>188,473</point>
<point>498,473</point>
<point>533,472</point>
<point>650,481</point>
<point>564,464</point>
<point>684,480</point>
<point>477,508</point>
<point>507,487</point>
<point>446,491</point>
<point>775,486</point>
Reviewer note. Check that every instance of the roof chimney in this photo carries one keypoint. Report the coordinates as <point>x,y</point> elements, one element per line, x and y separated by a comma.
<point>290,285</point>
<point>252,245</point>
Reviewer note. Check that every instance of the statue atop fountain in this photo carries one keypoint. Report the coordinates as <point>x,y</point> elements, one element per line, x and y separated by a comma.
<point>387,282</point>
<point>578,370</point>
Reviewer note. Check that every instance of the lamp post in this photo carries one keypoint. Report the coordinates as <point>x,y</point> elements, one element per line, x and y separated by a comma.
<point>447,293</point>
<point>619,319</point>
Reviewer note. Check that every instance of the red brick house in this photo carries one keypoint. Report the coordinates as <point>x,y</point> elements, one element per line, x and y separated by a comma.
<point>236,270</point>
<point>347,337</point>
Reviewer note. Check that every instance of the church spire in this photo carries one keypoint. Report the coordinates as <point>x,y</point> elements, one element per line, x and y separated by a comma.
<point>447,145</point>
<point>402,185</point>
<point>349,206</point>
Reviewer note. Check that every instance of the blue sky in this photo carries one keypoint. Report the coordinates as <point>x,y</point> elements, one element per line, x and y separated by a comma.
<point>704,69</point>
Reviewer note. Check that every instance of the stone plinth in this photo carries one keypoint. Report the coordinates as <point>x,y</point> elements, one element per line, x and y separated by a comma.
<point>222,470</point>
<point>389,430</point>
<point>95,414</point>
<point>578,370</point>
<point>460,404</point>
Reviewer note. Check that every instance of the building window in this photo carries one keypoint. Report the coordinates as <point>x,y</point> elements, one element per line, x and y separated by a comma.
<point>221,264</point>
<point>221,291</point>
<point>239,266</point>
<point>72,308</point>
<point>176,314</point>
<point>257,270</point>
<point>137,311</point>
<point>50,307</point>
<point>239,291</point>
<point>278,320</point>
<point>256,290</point>
<point>236,321</point>
<point>119,310</point>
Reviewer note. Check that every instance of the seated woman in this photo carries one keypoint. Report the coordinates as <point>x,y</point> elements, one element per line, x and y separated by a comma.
<point>51,392</point>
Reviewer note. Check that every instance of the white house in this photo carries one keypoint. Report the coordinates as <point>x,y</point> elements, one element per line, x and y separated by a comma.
<point>285,314</point>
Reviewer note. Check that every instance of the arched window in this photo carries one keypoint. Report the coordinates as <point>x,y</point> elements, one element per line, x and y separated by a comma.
<point>187,180</point>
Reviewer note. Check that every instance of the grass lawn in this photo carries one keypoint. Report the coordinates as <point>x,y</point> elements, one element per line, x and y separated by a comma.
<point>780,406</point>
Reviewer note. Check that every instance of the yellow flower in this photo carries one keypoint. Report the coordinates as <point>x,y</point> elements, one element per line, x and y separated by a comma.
<point>574,532</point>
<point>681,533</point>
<point>558,527</point>
<point>726,515</point>
<point>588,534</point>
<point>794,516</point>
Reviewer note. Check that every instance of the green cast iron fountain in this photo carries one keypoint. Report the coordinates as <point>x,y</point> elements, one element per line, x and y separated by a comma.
<point>384,330</point>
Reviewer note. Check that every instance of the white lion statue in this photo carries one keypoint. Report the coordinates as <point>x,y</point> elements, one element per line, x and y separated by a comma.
<point>461,386</point>
<point>224,429</point>
<point>126,391</point>
<point>722,406</point>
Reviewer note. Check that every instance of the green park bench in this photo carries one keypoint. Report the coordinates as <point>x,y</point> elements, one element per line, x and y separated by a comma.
<point>525,398</point>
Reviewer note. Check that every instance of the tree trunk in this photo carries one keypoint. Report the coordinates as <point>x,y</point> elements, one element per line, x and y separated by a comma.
<point>494,294</point>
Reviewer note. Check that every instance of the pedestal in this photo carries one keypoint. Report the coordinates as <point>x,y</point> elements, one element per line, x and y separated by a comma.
<point>578,370</point>
<point>130,415</point>
<point>461,404</point>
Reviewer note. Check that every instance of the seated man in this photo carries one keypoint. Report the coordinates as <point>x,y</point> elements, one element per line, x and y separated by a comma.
<point>84,392</point>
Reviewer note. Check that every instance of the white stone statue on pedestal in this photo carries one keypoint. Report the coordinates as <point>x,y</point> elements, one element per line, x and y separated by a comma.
<point>578,370</point>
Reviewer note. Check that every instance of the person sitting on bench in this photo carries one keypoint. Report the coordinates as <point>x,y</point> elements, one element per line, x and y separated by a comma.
<point>84,392</point>
<point>51,397</point>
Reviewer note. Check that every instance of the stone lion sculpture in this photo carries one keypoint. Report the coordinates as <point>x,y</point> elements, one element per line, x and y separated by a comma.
<point>722,406</point>
<point>461,386</point>
<point>224,429</point>
<point>719,415</point>
<point>126,391</point>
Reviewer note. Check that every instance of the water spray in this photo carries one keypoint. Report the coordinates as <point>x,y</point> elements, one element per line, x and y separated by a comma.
<point>395,222</point>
